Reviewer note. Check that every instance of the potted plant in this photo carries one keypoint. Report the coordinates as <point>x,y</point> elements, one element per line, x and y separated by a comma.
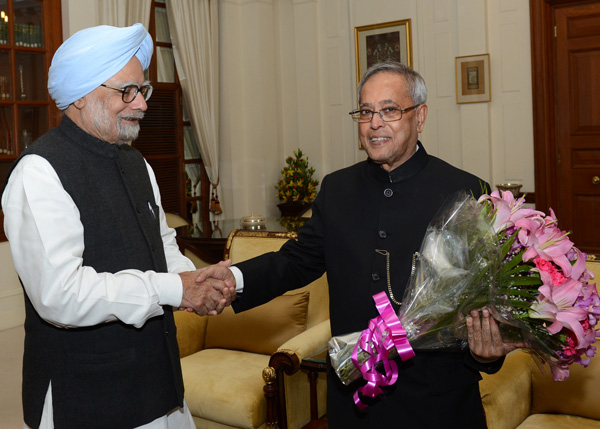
<point>296,189</point>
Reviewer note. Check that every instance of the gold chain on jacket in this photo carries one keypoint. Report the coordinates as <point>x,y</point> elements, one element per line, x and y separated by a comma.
<point>387,270</point>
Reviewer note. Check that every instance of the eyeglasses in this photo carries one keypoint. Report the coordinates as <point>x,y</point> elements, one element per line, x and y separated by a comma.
<point>387,114</point>
<point>129,92</point>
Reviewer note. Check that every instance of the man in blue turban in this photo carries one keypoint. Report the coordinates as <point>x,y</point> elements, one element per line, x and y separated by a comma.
<point>100,267</point>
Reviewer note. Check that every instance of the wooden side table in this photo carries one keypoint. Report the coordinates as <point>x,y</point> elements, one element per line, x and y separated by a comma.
<point>313,365</point>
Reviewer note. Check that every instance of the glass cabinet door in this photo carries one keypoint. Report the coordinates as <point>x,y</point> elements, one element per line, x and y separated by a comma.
<point>6,137</point>
<point>27,42</point>
<point>3,22</point>
<point>5,73</point>
<point>31,76</point>
<point>27,26</point>
<point>30,33</point>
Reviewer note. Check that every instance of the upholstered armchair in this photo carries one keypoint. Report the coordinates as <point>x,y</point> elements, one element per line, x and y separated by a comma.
<point>175,221</point>
<point>522,396</point>
<point>243,370</point>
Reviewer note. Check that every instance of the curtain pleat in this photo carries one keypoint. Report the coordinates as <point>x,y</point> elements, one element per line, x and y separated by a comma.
<point>194,35</point>
<point>194,29</point>
<point>123,13</point>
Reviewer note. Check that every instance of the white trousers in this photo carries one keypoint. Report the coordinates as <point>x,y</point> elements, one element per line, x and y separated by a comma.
<point>179,418</point>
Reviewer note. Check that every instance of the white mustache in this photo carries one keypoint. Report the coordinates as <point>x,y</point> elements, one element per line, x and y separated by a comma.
<point>133,116</point>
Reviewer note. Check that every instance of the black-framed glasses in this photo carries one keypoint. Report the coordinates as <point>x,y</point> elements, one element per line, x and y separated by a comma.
<point>387,114</point>
<point>129,92</point>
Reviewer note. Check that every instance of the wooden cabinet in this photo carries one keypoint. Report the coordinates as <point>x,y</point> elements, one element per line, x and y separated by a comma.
<point>30,33</point>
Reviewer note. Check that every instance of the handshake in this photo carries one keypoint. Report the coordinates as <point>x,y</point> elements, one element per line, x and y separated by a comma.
<point>209,290</point>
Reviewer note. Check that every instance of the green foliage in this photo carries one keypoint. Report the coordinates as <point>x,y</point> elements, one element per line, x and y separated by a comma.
<point>297,183</point>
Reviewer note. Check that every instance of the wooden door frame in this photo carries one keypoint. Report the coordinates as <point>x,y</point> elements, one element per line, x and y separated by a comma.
<point>545,150</point>
<point>545,145</point>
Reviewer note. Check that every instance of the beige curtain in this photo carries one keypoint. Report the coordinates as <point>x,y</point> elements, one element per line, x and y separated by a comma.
<point>194,34</point>
<point>123,13</point>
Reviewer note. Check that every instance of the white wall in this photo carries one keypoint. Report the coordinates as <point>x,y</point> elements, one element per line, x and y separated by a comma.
<point>303,82</point>
<point>77,15</point>
<point>288,81</point>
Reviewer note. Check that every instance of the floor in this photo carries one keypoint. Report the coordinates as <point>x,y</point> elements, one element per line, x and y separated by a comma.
<point>11,355</point>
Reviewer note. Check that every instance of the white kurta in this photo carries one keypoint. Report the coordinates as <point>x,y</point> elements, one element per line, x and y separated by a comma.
<point>45,233</point>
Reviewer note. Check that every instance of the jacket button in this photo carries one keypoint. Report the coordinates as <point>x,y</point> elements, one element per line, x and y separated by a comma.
<point>388,192</point>
<point>375,277</point>
<point>382,234</point>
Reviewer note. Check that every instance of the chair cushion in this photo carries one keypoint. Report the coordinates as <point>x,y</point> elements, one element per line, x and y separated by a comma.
<point>259,330</point>
<point>226,387</point>
<point>191,331</point>
<point>545,421</point>
<point>577,396</point>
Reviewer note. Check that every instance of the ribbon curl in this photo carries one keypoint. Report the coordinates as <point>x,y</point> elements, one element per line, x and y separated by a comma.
<point>384,333</point>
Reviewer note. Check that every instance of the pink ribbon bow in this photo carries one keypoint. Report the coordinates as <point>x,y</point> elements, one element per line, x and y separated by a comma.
<point>377,344</point>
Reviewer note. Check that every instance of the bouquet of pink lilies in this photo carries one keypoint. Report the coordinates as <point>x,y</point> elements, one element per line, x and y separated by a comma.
<point>544,285</point>
<point>493,252</point>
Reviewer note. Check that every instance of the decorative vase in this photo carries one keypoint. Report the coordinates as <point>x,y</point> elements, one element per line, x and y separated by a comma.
<point>515,188</point>
<point>293,208</point>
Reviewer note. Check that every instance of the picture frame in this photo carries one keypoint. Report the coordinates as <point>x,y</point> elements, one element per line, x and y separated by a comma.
<point>473,79</point>
<point>380,42</point>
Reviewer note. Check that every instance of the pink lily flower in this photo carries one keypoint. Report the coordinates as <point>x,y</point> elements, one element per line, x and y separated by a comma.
<point>551,244</point>
<point>529,227</point>
<point>578,270</point>
<point>556,305</point>
<point>507,209</point>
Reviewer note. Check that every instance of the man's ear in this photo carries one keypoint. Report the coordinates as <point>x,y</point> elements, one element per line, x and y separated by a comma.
<point>421,117</point>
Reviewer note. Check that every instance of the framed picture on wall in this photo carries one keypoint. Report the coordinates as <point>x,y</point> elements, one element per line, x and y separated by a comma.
<point>382,42</point>
<point>473,79</point>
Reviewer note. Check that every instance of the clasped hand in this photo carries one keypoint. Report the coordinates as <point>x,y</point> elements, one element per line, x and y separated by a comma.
<point>485,342</point>
<point>208,291</point>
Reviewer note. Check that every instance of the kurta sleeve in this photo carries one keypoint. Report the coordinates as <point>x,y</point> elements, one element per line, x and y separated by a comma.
<point>46,238</point>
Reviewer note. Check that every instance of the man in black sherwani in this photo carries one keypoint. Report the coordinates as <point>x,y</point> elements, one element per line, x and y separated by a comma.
<point>382,205</point>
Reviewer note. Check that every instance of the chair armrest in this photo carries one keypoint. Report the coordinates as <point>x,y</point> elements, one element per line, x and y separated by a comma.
<point>191,332</point>
<point>287,360</point>
<point>506,395</point>
<point>289,355</point>
<point>309,342</point>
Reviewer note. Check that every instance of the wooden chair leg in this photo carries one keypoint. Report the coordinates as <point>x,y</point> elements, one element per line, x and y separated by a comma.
<point>270,388</point>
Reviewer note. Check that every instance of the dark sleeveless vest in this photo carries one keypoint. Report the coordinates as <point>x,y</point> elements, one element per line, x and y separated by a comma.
<point>111,375</point>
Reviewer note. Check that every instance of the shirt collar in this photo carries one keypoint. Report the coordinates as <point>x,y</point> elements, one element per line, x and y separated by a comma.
<point>404,171</point>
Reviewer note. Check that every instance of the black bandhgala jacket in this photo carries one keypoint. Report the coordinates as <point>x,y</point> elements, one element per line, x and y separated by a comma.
<point>360,209</point>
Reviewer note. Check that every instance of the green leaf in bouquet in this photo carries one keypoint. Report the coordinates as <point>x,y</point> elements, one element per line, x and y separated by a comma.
<point>522,281</point>
<point>516,260</point>
<point>524,268</point>
<point>508,244</point>
<point>520,294</point>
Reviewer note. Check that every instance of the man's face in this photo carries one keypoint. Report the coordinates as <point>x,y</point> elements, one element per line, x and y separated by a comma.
<point>110,119</point>
<point>390,144</point>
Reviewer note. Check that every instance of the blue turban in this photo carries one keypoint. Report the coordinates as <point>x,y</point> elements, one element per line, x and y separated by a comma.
<point>92,56</point>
